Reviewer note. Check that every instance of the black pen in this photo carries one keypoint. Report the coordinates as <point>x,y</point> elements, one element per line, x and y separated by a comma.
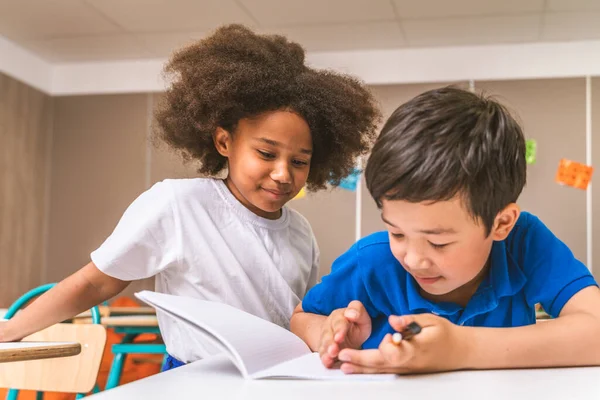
<point>411,330</point>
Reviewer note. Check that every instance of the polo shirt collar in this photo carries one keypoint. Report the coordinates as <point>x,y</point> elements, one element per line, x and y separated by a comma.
<point>504,279</point>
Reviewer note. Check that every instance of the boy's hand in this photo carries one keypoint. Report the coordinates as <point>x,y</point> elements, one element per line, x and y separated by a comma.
<point>344,328</point>
<point>440,346</point>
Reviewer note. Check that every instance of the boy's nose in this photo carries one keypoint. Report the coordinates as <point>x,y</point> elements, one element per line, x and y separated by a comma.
<point>415,261</point>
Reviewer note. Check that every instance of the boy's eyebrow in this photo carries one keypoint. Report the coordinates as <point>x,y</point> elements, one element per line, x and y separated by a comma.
<point>277,144</point>
<point>436,231</point>
<point>387,222</point>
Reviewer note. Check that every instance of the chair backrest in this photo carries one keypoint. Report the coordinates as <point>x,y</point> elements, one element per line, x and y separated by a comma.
<point>35,292</point>
<point>75,374</point>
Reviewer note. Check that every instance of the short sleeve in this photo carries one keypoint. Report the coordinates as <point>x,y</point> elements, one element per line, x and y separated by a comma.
<point>553,273</point>
<point>314,271</point>
<point>343,285</point>
<point>145,241</point>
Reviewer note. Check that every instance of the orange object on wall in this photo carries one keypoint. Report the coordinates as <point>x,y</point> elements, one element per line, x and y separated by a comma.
<point>574,174</point>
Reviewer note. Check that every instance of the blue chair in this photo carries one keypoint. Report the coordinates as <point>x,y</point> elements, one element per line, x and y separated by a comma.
<point>126,347</point>
<point>22,301</point>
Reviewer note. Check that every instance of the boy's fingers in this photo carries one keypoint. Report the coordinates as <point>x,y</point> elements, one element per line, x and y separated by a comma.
<point>340,328</point>
<point>356,306</point>
<point>327,360</point>
<point>326,340</point>
<point>394,354</point>
<point>367,358</point>
<point>357,313</point>
<point>398,323</point>
<point>333,350</point>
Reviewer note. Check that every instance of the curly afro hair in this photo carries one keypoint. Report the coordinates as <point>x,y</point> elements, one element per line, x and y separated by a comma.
<point>235,74</point>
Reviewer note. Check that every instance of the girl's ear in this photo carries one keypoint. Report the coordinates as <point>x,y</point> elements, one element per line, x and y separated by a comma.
<point>505,221</point>
<point>222,140</point>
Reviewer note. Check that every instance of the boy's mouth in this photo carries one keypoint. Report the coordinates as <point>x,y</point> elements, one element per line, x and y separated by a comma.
<point>427,280</point>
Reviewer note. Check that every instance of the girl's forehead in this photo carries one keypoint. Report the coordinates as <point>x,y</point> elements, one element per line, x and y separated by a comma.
<point>277,127</point>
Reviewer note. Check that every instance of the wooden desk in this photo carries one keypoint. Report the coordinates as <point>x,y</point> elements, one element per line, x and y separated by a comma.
<point>24,351</point>
<point>123,321</point>
<point>217,378</point>
<point>107,311</point>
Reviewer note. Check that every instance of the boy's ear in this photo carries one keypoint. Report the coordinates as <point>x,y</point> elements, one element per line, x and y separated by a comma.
<point>505,221</point>
<point>222,140</point>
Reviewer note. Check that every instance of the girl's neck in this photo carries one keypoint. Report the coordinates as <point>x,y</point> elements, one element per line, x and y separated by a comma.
<point>243,201</point>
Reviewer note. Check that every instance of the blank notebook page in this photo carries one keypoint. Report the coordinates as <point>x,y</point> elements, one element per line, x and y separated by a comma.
<point>264,349</point>
<point>310,367</point>
<point>259,344</point>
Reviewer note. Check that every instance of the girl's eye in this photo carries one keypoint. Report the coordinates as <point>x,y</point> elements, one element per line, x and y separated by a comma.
<point>266,155</point>
<point>300,163</point>
<point>398,235</point>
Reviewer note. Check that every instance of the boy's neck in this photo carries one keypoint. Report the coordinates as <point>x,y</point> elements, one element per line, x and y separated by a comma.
<point>461,295</point>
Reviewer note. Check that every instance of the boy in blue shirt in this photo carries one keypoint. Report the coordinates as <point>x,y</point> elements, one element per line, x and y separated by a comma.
<point>459,257</point>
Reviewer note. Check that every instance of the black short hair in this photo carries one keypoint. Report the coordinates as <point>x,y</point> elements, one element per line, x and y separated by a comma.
<point>235,73</point>
<point>447,142</point>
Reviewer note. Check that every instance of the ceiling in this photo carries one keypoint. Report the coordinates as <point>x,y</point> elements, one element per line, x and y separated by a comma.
<point>64,31</point>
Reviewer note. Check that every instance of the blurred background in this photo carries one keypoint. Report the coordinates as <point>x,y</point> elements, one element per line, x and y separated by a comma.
<point>79,80</point>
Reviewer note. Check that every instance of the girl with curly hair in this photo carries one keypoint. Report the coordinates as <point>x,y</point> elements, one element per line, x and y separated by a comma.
<point>247,106</point>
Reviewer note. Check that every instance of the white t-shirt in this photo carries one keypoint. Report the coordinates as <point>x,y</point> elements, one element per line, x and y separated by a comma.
<point>201,242</point>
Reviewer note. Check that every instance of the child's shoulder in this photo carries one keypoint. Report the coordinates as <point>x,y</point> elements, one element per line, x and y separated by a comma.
<point>374,248</point>
<point>530,237</point>
<point>527,220</point>
<point>188,188</point>
<point>298,221</point>
<point>181,194</point>
<point>373,241</point>
<point>188,184</point>
<point>526,226</point>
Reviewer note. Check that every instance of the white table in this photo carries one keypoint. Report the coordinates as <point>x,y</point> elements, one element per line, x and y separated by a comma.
<point>217,378</point>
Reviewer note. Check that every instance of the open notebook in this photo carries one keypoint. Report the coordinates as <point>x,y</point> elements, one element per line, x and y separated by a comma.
<point>258,348</point>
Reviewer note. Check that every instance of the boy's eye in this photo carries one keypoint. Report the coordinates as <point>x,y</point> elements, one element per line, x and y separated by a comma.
<point>438,246</point>
<point>266,155</point>
<point>397,235</point>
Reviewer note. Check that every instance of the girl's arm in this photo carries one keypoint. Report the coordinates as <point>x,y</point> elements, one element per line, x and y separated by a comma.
<point>77,293</point>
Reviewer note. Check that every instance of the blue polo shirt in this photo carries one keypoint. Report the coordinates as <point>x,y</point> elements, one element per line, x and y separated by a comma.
<point>530,266</point>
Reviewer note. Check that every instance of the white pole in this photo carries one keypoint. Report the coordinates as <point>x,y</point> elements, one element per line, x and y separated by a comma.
<point>358,209</point>
<point>588,161</point>
<point>471,85</point>
<point>148,158</point>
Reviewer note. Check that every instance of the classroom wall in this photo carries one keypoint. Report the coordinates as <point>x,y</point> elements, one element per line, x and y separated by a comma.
<point>595,120</point>
<point>552,111</point>
<point>98,168</point>
<point>25,138</point>
<point>101,159</point>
